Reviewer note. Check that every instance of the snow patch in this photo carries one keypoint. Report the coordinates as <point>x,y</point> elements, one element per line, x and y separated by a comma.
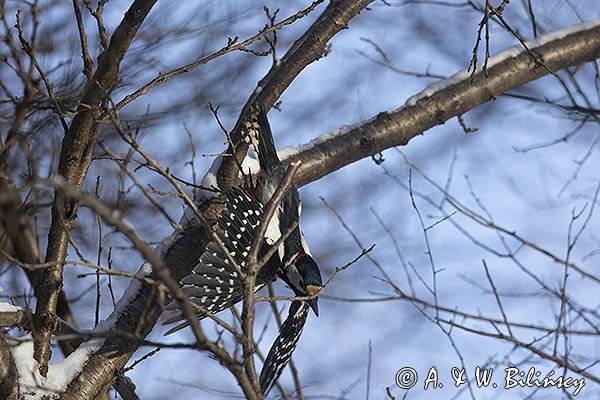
<point>288,152</point>
<point>7,307</point>
<point>210,180</point>
<point>33,386</point>
<point>499,58</point>
<point>562,33</point>
<point>250,164</point>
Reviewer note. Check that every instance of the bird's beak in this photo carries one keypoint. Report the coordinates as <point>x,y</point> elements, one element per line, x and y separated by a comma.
<point>314,303</point>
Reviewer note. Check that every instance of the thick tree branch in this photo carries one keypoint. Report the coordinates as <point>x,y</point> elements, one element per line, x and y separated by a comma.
<point>75,159</point>
<point>447,99</point>
<point>18,238</point>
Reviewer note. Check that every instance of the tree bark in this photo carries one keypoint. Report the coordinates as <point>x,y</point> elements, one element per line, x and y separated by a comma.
<point>9,376</point>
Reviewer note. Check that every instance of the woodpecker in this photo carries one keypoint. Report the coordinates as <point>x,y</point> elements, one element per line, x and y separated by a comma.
<point>214,283</point>
<point>298,269</point>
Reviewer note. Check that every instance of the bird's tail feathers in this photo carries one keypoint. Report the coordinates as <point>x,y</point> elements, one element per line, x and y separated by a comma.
<point>284,345</point>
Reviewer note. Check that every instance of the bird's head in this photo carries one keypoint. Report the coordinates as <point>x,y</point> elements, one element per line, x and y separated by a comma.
<point>304,278</point>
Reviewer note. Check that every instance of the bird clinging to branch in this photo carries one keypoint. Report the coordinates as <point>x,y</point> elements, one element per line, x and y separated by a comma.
<point>215,282</point>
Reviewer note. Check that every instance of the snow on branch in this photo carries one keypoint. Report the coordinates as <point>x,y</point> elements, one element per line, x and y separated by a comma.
<point>531,47</point>
<point>446,99</point>
<point>32,385</point>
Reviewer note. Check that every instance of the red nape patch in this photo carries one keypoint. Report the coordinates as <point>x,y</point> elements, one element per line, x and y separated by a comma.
<point>301,255</point>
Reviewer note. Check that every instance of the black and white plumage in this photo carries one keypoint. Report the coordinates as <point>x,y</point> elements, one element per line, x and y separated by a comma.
<point>214,283</point>
<point>284,345</point>
<point>298,268</point>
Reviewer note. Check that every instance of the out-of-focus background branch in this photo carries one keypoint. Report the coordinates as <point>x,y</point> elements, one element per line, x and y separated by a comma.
<point>511,182</point>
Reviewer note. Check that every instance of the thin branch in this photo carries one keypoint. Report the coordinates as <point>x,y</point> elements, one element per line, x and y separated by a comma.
<point>231,46</point>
